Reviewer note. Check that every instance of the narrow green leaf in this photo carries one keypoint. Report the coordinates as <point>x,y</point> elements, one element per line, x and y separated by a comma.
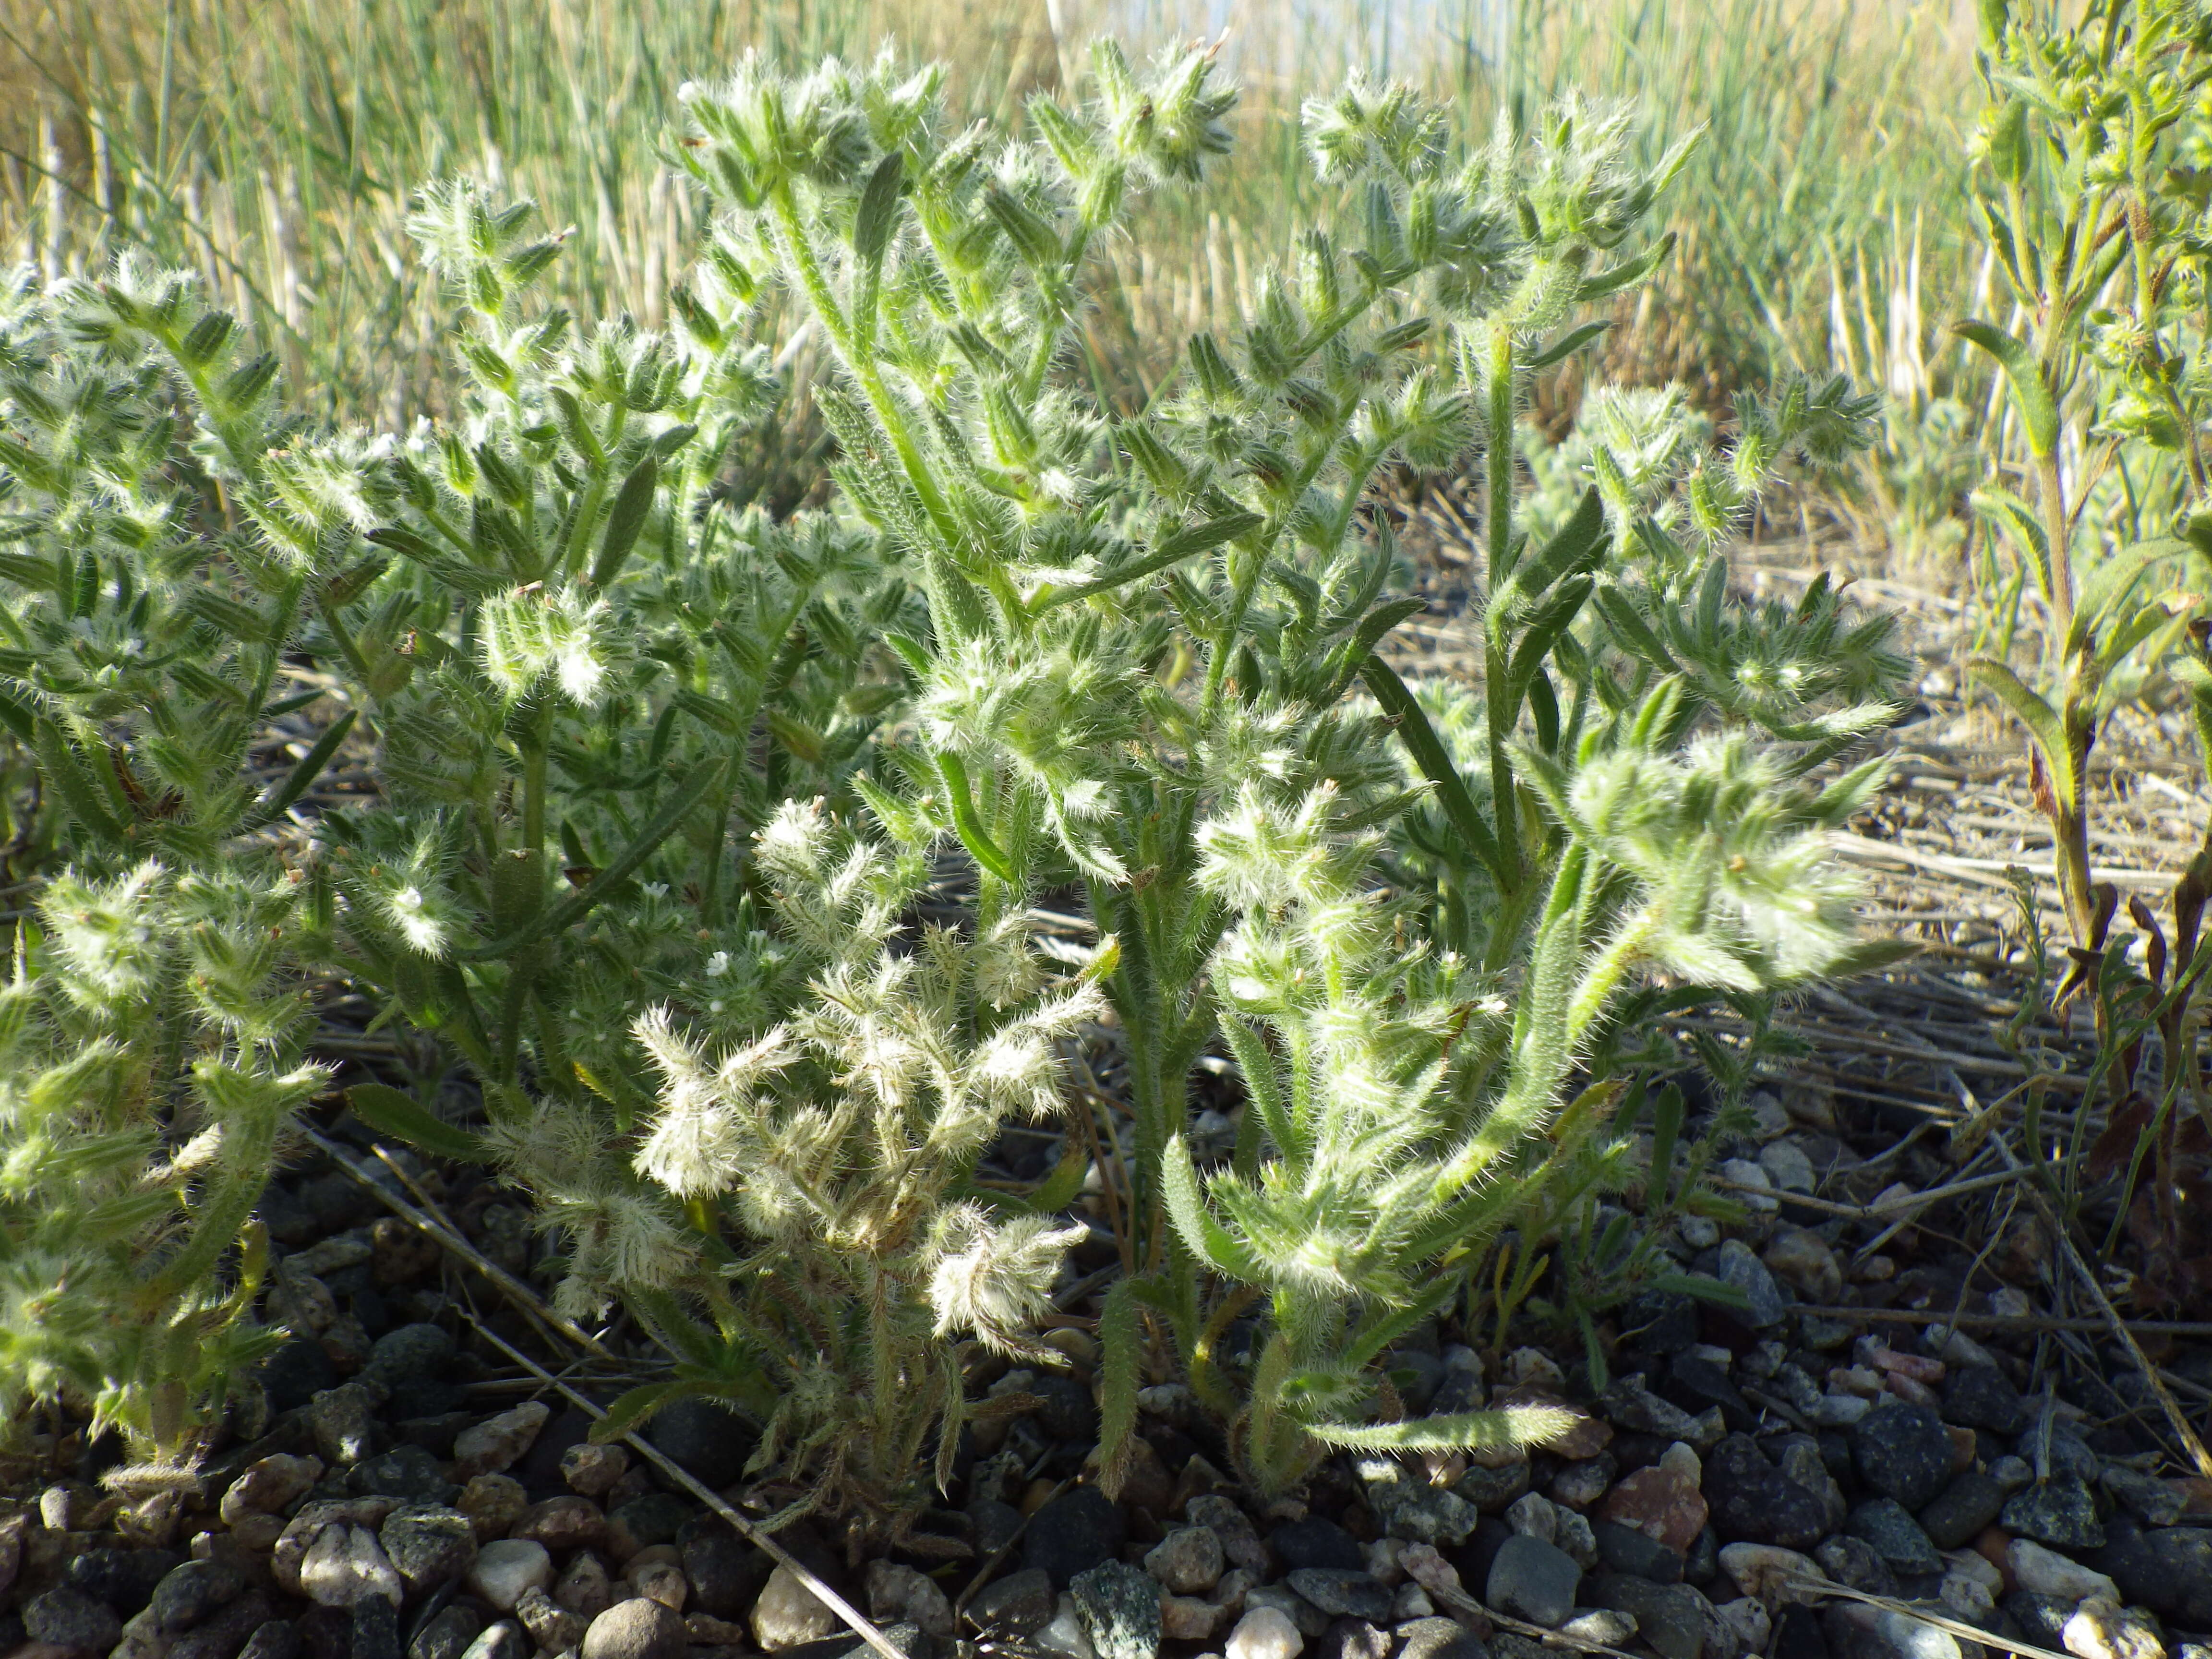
<point>1627,273</point>
<point>2031,392</point>
<point>878,213</point>
<point>1435,764</point>
<point>632,505</point>
<point>969,823</point>
<point>388,1111</point>
<point>2044,727</point>
<point>303,776</point>
<point>1567,344</point>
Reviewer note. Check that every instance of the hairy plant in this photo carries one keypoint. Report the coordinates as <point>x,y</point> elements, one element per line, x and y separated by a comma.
<point>837,1145</point>
<point>2094,194</point>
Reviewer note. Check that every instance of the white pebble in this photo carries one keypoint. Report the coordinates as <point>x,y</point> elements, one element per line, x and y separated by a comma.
<point>1264,1633</point>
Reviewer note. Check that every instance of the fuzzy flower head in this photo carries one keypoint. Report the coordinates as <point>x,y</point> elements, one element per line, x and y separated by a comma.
<point>565,638</point>
<point>1262,856</point>
<point>995,1278</point>
<point>107,934</point>
<point>702,1133</point>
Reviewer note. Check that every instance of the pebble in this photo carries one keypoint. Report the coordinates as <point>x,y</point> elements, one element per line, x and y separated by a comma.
<point>725,1573</point>
<point>1264,1633</point>
<point>503,1640</point>
<point>900,1594</point>
<point>1341,1593</point>
<point>585,1587</point>
<point>637,1629</point>
<point>706,1437</point>
<point>1119,1608</point>
<point>590,1470</point>
<point>446,1634</point>
<point>1752,1501</point>
<point>427,1546</point>
<point>1960,1511</point>
<point>1674,1619</point>
<point>1765,1570</point>
<point>1664,1503</point>
<point>2168,1570</point>
<point>2061,1512</point>
<point>1901,1451</point>
<point>493,1503</point>
<point>506,1567</point>
<point>1190,1618</point>
<point>70,1619</point>
<point>1896,1536</point>
<point>343,1420</point>
<point>562,1523</point>
<point>2101,1629</point>
<point>189,1593</point>
<point>1804,1260</point>
<point>1580,1485</point>
<point>1240,1540</point>
<point>1409,1603</point>
<point>1018,1604</point>
<point>1532,1580</point>
<point>787,1614</point>
<point>1748,1621</point>
<point>346,1563</point>
<point>1414,1510</point>
<point>2046,1572</point>
<point>269,1485</point>
<point>1742,1271</point>
<point>1914,1638</point>
<point>640,1523</point>
<point>1314,1542</point>
<point>1983,1397</point>
<point>1533,1517</point>
<point>552,1626</point>
<point>376,1629</point>
<point>276,1638</point>
<point>1063,1633</point>
<point>1190,1561</point>
<point>497,1441</point>
<point>1855,1562</point>
<point>1574,1536</point>
<point>405,1472</point>
<point>1490,1486</point>
<point>1624,1549</point>
<point>125,1579</point>
<point>2157,1503</point>
<point>1077,1530</point>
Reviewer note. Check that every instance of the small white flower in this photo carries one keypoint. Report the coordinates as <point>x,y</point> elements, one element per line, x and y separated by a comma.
<point>654,890</point>
<point>717,965</point>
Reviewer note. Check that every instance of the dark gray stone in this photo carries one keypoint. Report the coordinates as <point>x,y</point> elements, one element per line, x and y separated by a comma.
<point>125,1579</point>
<point>376,1629</point>
<point>1069,1414</point>
<point>1118,1607</point>
<point>1983,1397</point>
<point>1019,1604</point>
<point>223,1634</point>
<point>1532,1580</point>
<point>1752,1501</point>
<point>1438,1638</point>
<point>654,1517</point>
<point>446,1634</point>
<point>1797,1634</point>
<point>1626,1549</point>
<point>2042,1619</point>
<point>1672,1618</point>
<point>1896,1536</point>
<point>405,1472</point>
<point>428,1545</point>
<point>504,1640</point>
<point>1490,1489</point>
<point>276,1638</point>
<point>1404,1507</point>
<point>1856,1563</point>
<point>189,1593</point>
<point>1342,1594</point>
<point>1316,1542</point>
<point>2168,1570</point>
<point>1352,1638</point>
<point>1902,1452</point>
<point>711,1441</point>
<point>725,1572</point>
<point>1962,1510</point>
<point>408,1354</point>
<point>2060,1512</point>
<point>1077,1531</point>
<point>66,1618</point>
<point>1742,1270</point>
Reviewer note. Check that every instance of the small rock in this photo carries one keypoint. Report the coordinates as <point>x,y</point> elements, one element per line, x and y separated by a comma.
<point>1341,1593</point>
<point>786,1614</point>
<point>2156,1502</point>
<point>376,1629</point>
<point>427,1546</point>
<point>725,1573</point>
<point>1902,1452</point>
<point>269,1485</point>
<point>1672,1619</point>
<point>407,1473</point>
<point>1264,1633</point>
<point>1352,1638</point>
<point>493,1503</point>
<point>639,1629</point>
<point>1573,1535</point>
<point>2168,1570</point>
<point>1406,1507</point>
<point>2046,1572</point>
<point>1983,1397</point>
<point>1533,1517</point>
<point>590,1470</point>
<point>345,1563</point>
<point>584,1587</point>
<point>1856,1563</point>
<point>276,1638</point>
<point>1751,1500</point>
<point>1747,1622</point>
<point>1625,1550</point>
<point>446,1634</point>
<point>1440,1638</point>
<point>899,1595</point>
<point>1063,1633</point>
<point>1240,1540</point>
<point>2101,1629</point>
<point>343,1420</point>
<point>1804,1260</point>
<point>1118,1608</point>
<point>1077,1530</point>
<point>1409,1603</point>
<point>189,1593</point>
<point>2060,1512</point>
<point>1896,1536</point>
<point>709,1439</point>
<point>71,1620</point>
<point>1190,1618</point>
<point>1659,1502</point>
<point>640,1523</point>
<point>1311,1621</point>
<point>1768,1570</point>
<point>1532,1580</point>
<point>125,1579</point>
<point>1962,1510</point>
<point>1786,1164</point>
<point>1018,1604</point>
<point>552,1626</point>
<point>1188,1561</point>
<point>1314,1542</point>
<point>1914,1638</point>
<point>562,1523</point>
<point>1742,1271</point>
<point>506,1567</point>
<point>503,1640</point>
<point>1580,1485</point>
<point>497,1441</point>
<point>657,1574</point>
